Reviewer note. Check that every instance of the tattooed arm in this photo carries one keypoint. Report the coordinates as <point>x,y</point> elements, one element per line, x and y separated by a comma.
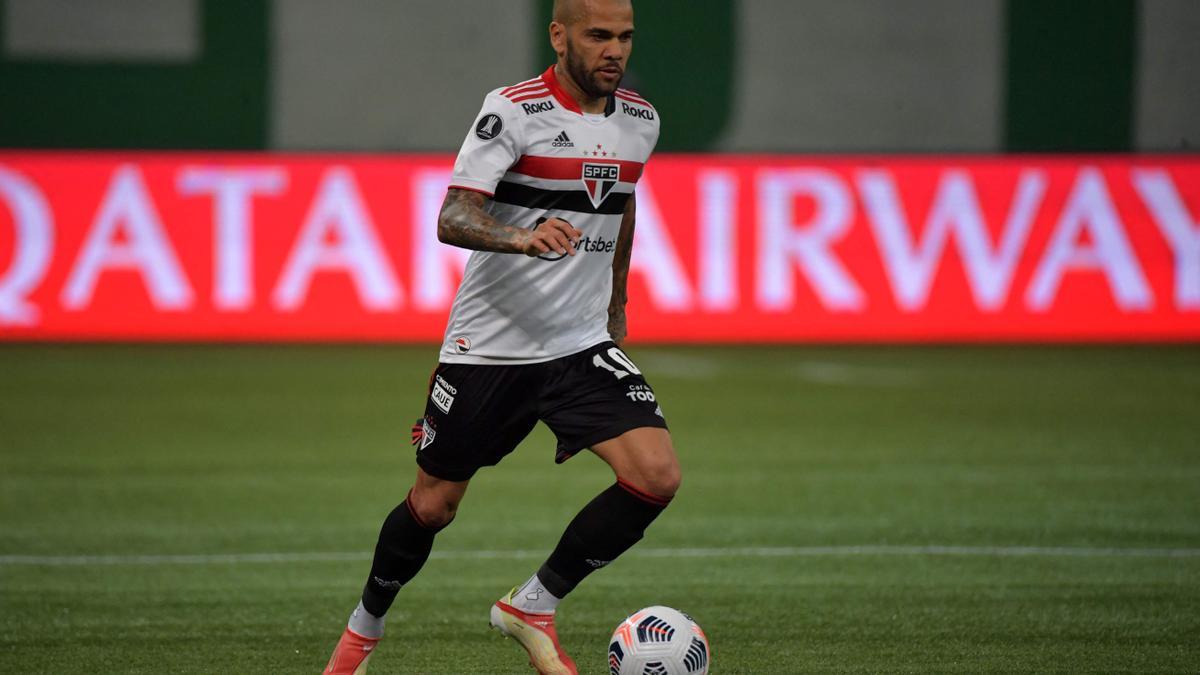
<point>616,305</point>
<point>464,222</point>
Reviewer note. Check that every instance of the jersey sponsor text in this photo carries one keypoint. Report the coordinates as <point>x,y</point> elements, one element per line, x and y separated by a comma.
<point>535,108</point>
<point>640,113</point>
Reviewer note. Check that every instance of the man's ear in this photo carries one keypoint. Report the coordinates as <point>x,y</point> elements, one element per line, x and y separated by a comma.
<point>558,38</point>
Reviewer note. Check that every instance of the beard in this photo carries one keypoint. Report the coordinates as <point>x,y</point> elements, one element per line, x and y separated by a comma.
<point>588,81</point>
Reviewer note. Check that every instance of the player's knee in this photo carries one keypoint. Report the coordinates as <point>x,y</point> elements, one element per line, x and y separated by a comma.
<point>662,479</point>
<point>432,510</point>
<point>434,515</point>
<point>667,482</point>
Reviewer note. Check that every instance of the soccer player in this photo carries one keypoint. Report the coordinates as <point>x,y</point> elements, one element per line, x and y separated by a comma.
<point>543,192</point>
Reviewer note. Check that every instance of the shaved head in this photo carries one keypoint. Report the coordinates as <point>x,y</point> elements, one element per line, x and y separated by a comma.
<point>593,40</point>
<point>570,12</point>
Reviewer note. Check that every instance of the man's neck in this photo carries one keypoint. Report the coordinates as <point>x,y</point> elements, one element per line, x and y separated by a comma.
<point>586,103</point>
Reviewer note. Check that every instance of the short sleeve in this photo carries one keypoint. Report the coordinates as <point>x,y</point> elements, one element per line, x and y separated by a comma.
<point>493,144</point>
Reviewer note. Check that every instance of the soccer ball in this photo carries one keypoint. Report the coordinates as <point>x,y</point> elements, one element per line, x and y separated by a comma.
<point>658,641</point>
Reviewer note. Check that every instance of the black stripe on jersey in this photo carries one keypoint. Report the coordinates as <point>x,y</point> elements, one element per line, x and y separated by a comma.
<point>558,200</point>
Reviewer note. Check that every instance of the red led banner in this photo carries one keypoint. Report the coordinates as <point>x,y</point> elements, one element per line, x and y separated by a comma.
<point>98,246</point>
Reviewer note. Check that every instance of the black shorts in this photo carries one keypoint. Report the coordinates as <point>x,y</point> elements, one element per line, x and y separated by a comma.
<point>477,414</point>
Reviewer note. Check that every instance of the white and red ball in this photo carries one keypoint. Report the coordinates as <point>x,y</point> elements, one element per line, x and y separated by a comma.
<point>658,641</point>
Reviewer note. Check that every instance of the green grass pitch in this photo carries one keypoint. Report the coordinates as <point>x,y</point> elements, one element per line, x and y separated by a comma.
<point>883,509</point>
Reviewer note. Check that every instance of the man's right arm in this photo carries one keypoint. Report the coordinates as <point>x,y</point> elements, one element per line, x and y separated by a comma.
<point>465,222</point>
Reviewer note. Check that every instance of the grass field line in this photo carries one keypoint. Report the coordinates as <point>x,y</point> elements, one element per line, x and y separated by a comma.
<point>519,554</point>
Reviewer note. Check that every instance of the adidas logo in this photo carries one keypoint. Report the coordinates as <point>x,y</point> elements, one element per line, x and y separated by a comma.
<point>562,141</point>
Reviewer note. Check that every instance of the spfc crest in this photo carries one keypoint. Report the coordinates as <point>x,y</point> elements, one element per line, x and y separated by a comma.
<point>423,433</point>
<point>599,180</point>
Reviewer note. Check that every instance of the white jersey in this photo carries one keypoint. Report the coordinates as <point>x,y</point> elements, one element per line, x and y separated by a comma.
<point>537,155</point>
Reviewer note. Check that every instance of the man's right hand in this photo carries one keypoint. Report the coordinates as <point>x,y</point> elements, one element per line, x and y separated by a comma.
<point>554,235</point>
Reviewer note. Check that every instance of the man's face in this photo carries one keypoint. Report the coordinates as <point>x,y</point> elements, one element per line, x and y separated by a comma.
<point>598,46</point>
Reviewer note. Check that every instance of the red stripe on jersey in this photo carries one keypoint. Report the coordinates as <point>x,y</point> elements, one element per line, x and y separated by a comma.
<point>538,86</point>
<point>471,189</point>
<point>632,99</point>
<point>633,95</point>
<point>525,97</point>
<point>518,85</point>
<point>563,97</point>
<point>571,168</point>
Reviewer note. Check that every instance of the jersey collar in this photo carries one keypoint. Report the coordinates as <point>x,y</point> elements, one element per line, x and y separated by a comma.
<point>566,100</point>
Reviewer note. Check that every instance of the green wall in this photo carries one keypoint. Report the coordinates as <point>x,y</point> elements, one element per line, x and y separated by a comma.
<point>683,62</point>
<point>1070,75</point>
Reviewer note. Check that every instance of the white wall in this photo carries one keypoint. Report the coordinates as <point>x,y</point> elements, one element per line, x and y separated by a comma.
<point>1167,107</point>
<point>868,75</point>
<point>812,75</point>
<point>102,30</point>
<point>386,75</point>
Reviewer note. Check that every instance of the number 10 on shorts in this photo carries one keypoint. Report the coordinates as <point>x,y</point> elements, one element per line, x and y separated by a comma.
<point>623,368</point>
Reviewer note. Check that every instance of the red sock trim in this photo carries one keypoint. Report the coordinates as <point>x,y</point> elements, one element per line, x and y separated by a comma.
<point>644,496</point>
<point>412,512</point>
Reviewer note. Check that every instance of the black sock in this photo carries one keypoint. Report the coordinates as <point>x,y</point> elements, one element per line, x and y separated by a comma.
<point>403,546</point>
<point>611,523</point>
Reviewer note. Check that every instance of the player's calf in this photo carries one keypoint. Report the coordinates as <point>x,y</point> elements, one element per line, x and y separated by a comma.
<point>604,529</point>
<point>648,475</point>
<point>405,540</point>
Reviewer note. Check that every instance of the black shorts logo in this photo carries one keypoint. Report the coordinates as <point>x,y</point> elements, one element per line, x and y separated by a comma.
<point>423,433</point>
<point>489,126</point>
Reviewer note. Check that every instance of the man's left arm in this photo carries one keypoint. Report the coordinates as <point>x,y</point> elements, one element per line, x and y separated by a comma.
<point>620,271</point>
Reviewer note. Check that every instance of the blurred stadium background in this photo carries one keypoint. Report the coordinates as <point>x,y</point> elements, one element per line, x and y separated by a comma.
<point>917,281</point>
<point>761,76</point>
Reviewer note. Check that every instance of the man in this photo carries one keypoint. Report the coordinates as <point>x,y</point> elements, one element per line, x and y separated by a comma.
<point>543,193</point>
